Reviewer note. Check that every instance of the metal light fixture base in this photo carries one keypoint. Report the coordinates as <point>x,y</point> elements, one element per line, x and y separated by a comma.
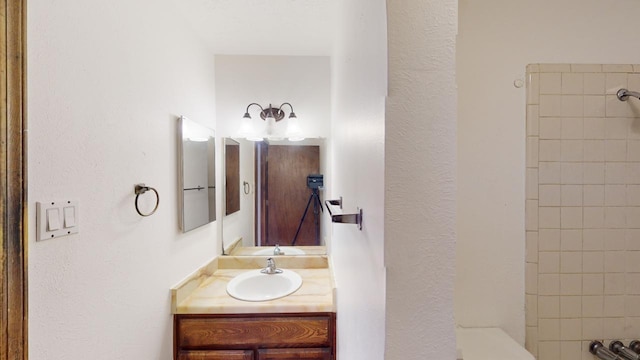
<point>278,114</point>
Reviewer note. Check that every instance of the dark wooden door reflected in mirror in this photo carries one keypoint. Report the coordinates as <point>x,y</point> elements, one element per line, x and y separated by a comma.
<point>283,196</point>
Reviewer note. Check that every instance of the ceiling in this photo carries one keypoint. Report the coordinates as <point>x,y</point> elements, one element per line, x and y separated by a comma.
<point>262,27</point>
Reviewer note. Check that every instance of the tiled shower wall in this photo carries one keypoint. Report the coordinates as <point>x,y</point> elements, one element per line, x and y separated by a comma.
<point>582,208</point>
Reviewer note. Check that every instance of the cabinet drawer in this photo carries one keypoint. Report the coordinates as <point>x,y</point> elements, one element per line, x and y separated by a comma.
<point>216,355</point>
<point>260,331</point>
<point>294,354</point>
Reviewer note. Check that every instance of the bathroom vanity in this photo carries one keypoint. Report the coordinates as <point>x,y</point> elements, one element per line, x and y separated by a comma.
<point>211,325</point>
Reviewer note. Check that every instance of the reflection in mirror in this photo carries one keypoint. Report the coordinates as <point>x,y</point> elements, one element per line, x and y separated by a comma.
<point>196,175</point>
<point>284,206</point>
<point>232,175</point>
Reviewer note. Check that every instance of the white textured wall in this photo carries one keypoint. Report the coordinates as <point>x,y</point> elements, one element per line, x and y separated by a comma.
<point>420,177</point>
<point>359,79</point>
<point>106,83</point>
<point>498,38</point>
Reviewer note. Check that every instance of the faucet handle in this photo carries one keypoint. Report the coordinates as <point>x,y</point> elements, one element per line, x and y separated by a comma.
<point>277,250</point>
<point>271,268</point>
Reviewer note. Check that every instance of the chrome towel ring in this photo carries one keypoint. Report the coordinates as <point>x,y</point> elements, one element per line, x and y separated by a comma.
<point>140,189</point>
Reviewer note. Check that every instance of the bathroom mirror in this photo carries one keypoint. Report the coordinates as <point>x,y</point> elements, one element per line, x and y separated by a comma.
<point>278,205</point>
<point>196,175</point>
<point>232,175</point>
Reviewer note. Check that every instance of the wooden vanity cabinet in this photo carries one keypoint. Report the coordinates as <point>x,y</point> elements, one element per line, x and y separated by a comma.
<point>307,336</point>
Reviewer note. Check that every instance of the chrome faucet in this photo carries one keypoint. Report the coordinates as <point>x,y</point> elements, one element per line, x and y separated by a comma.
<point>277,250</point>
<point>271,268</point>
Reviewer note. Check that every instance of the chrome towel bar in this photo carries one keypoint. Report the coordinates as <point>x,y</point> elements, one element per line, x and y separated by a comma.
<point>344,218</point>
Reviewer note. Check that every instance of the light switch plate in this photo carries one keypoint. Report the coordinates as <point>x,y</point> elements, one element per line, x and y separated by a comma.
<point>56,218</point>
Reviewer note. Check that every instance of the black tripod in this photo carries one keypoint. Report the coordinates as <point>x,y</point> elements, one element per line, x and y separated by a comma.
<point>315,197</point>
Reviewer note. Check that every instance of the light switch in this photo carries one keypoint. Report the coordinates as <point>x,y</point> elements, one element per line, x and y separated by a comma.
<point>56,218</point>
<point>69,216</point>
<point>53,219</point>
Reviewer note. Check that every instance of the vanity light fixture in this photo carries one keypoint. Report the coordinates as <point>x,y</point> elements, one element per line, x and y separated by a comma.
<point>271,115</point>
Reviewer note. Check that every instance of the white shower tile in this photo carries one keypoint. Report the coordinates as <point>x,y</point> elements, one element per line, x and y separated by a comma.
<point>571,239</point>
<point>614,284</point>
<point>548,350</point>
<point>549,262</point>
<point>571,195</point>
<point>594,128</point>
<point>570,284</point>
<point>571,262</point>
<point>572,128</point>
<point>571,218</point>
<point>533,68</point>
<point>586,68</point>
<point>571,329</point>
<point>571,173</point>
<point>633,239</point>
<point>550,195</point>
<point>613,261</point>
<point>632,305</point>
<point>633,150</point>
<point>592,284</point>
<point>634,129</point>
<point>593,217</point>
<point>594,84</point>
<point>615,173</point>
<point>632,327</point>
<point>593,306</point>
<point>614,239</point>
<point>531,215</point>
<point>632,173</point>
<point>615,195</point>
<point>531,278</point>
<point>617,68</point>
<point>592,328</point>
<point>633,195</point>
<point>572,106</point>
<point>593,239</point>
<point>633,283</point>
<point>531,310</point>
<point>613,306</point>
<point>533,120</point>
<point>636,68</point>
<point>559,68</point>
<point>616,128</point>
<point>614,328</point>
<point>550,105</point>
<point>594,173</point>
<point>572,150</point>
<point>550,83</point>
<point>593,262</point>
<point>532,184</point>
<point>550,128</point>
<point>549,307</point>
<point>633,217</point>
<point>533,88</point>
<point>614,82</point>
<point>632,261</point>
<point>531,244</point>
<point>617,108</point>
<point>549,284</point>
<point>593,150</point>
<point>549,217</point>
<point>531,340</point>
<point>549,240</point>
<point>572,83</point>
<point>593,195</point>
<point>550,150</point>
<point>615,217</point>
<point>633,82</point>
<point>549,173</point>
<point>532,151</point>
<point>549,329</point>
<point>594,105</point>
<point>615,150</point>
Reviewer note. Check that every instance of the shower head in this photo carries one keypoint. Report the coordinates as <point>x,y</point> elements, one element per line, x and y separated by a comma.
<point>623,94</point>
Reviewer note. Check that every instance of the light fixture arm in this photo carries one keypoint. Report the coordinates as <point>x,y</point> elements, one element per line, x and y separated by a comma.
<point>246,113</point>
<point>292,114</point>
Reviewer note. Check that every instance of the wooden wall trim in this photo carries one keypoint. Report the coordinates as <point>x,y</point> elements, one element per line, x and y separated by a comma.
<point>13,183</point>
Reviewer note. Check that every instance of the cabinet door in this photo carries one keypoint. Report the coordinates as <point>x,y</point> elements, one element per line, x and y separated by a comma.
<point>295,354</point>
<point>216,355</point>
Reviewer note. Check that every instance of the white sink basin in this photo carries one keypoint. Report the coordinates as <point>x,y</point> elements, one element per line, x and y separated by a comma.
<point>256,286</point>
<point>288,250</point>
